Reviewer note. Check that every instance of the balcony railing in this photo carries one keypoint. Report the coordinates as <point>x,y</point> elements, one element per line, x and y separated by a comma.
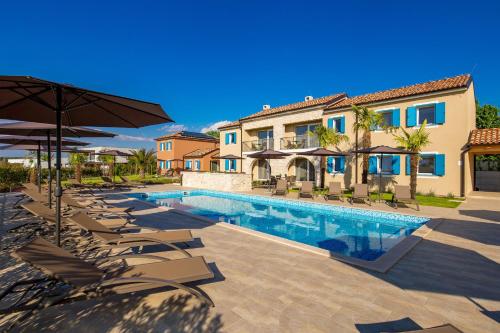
<point>299,142</point>
<point>257,145</point>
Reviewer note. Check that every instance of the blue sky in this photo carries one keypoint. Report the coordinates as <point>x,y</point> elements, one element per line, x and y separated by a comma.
<point>212,61</point>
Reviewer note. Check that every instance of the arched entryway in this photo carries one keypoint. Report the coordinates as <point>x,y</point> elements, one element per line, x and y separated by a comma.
<point>303,169</point>
<point>260,169</point>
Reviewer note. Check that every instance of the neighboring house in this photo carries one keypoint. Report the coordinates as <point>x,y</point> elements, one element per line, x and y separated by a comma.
<point>445,167</point>
<point>94,158</point>
<point>171,150</point>
<point>31,162</point>
<point>202,160</point>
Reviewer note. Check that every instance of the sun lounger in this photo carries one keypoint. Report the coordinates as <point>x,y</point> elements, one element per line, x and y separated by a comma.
<point>361,193</point>
<point>84,280</point>
<point>281,187</point>
<point>127,181</point>
<point>334,191</point>
<point>306,190</point>
<point>109,182</point>
<point>124,238</point>
<point>35,196</point>
<point>448,328</point>
<point>402,194</point>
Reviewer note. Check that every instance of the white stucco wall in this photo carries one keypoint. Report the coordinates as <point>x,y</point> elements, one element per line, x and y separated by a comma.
<point>237,182</point>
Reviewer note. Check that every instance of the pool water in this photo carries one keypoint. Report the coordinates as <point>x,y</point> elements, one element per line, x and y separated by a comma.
<point>363,234</point>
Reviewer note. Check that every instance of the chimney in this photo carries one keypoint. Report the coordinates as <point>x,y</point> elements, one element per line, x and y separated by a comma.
<point>308,98</point>
<point>266,107</point>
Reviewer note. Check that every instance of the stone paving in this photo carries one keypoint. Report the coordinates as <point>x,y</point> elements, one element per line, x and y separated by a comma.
<point>452,276</point>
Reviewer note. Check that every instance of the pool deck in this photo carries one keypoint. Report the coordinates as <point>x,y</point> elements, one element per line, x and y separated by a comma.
<point>451,276</point>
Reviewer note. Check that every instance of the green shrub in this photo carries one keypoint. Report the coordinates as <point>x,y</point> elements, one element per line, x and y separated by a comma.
<point>12,176</point>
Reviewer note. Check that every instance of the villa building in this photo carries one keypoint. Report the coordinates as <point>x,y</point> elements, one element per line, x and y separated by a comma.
<point>446,164</point>
<point>187,151</point>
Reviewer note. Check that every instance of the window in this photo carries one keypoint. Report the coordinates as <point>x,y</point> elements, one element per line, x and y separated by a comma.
<point>386,164</point>
<point>427,112</point>
<point>336,164</point>
<point>337,123</point>
<point>302,135</point>
<point>162,146</point>
<point>304,170</point>
<point>168,164</point>
<point>386,119</point>
<point>188,165</point>
<point>162,164</point>
<point>169,145</point>
<point>231,138</point>
<point>265,137</point>
<point>262,169</point>
<point>427,164</point>
<point>230,165</point>
<point>197,165</point>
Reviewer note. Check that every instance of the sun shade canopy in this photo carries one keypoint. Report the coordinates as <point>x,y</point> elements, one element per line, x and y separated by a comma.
<point>34,140</point>
<point>32,99</point>
<point>269,154</point>
<point>43,148</point>
<point>229,157</point>
<point>112,152</point>
<point>28,128</point>
<point>322,152</point>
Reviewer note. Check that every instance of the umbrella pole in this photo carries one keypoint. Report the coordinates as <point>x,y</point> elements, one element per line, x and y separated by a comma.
<point>58,191</point>
<point>380,179</point>
<point>39,168</point>
<point>114,161</point>
<point>49,177</point>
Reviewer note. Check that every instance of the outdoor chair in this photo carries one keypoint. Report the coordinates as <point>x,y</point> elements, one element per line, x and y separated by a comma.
<point>69,278</point>
<point>334,191</point>
<point>108,182</point>
<point>93,206</point>
<point>281,187</point>
<point>360,192</point>
<point>306,190</point>
<point>124,237</point>
<point>402,194</point>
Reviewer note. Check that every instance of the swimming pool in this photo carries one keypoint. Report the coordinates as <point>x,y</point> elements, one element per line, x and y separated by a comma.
<point>352,232</point>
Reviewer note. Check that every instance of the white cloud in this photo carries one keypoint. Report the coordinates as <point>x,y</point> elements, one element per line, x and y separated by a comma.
<point>173,128</point>
<point>215,126</point>
<point>123,137</point>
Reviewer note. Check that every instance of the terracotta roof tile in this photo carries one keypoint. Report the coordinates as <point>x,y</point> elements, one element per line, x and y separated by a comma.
<point>296,106</point>
<point>232,124</point>
<point>416,89</point>
<point>485,136</point>
<point>201,152</point>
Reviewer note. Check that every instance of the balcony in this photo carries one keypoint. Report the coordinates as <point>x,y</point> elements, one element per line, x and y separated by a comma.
<point>258,145</point>
<point>299,142</point>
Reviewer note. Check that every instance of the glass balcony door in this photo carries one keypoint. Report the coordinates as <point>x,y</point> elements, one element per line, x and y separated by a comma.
<point>265,137</point>
<point>302,135</point>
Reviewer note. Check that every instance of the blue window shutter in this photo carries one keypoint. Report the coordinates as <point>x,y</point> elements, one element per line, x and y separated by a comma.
<point>395,118</point>
<point>330,123</point>
<point>396,167</point>
<point>342,125</point>
<point>440,113</point>
<point>439,165</point>
<point>161,164</point>
<point>227,138</point>
<point>372,165</point>
<point>226,162</point>
<point>233,165</point>
<point>341,162</point>
<point>234,137</point>
<point>329,164</point>
<point>407,166</point>
<point>411,116</point>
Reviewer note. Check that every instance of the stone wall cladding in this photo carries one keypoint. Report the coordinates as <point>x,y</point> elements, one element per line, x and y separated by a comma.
<point>237,182</point>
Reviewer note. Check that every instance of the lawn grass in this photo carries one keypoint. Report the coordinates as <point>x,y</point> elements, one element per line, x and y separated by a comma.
<point>423,200</point>
<point>148,179</point>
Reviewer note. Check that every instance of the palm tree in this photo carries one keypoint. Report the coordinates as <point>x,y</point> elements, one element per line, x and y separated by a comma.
<point>143,158</point>
<point>327,137</point>
<point>367,120</point>
<point>415,142</point>
<point>108,161</point>
<point>77,160</point>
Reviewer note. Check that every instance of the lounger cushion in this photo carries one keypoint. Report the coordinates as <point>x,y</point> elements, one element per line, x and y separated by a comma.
<point>171,236</point>
<point>56,262</point>
<point>179,270</point>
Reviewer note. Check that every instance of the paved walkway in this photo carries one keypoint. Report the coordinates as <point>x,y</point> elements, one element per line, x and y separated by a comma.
<point>263,286</point>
